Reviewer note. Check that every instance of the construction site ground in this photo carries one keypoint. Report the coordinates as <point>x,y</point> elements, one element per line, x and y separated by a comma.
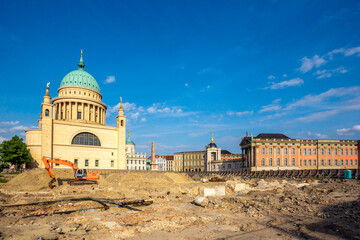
<point>239,208</point>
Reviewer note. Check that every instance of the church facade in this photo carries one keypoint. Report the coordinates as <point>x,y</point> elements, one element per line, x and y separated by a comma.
<point>72,126</point>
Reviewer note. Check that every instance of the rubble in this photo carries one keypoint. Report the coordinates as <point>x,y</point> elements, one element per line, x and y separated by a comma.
<point>182,208</point>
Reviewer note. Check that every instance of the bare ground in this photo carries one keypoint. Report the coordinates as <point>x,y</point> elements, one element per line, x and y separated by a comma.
<point>261,209</point>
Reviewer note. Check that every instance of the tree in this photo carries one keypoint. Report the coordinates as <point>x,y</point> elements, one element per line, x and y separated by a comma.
<point>15,152</point>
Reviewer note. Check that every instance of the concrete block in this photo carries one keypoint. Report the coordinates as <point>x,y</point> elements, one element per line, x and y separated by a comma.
<point>215,191</point>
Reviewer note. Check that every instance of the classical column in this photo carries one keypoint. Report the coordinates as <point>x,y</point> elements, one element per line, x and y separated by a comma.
<point>83,111</point>
<point>252,156</point>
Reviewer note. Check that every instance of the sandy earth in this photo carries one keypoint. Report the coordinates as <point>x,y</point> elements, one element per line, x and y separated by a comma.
<point>261,209</point>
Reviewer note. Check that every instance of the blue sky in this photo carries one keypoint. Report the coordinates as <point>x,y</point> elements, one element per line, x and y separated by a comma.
<point>186,69</point>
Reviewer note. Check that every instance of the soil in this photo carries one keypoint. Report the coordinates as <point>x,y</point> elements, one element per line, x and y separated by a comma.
<point>250,209</point>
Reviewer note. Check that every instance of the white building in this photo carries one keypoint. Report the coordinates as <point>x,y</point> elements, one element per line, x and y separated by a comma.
<point>134,161</point>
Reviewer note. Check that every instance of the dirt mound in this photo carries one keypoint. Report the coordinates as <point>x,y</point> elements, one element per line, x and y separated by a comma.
<point>35,179</point>
<point>133,178</point>
<point>147,183</point>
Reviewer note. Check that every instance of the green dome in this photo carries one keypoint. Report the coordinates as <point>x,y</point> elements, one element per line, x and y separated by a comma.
<point>80,78</point>
<point>129,141</point>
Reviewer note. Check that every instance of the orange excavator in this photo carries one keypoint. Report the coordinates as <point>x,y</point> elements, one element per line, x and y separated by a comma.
<point>81,176</point>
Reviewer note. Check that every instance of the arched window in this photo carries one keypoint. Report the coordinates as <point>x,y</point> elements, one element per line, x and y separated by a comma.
<point>46,112</point>
<point>86,139</point>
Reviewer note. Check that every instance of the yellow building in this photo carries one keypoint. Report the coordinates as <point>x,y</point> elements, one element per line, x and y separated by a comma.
<point>72,126</point>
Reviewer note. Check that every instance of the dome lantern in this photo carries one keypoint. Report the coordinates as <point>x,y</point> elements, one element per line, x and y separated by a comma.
<point>81,63</point>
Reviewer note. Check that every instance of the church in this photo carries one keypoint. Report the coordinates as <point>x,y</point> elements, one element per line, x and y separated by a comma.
<point>72,126</point>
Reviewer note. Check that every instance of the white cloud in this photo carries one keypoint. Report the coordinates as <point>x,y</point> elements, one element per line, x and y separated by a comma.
<point>326,73</point>
<point>21,128</point>
<point>284,84</point>
<point>134,115</point>
<point>317,135</point>
<point>208,86</point>
<point>309,63</point>
<point>317,116</point>
<point>271,77</point>
<point>2,130</point>
<point>10,123</point>
<point>274,106</point>
<point>2,139</point>
<point>157,108</point>
<point>186,84</point>
<point>312,99</point>
<point>143,119</point>
<point>347,52</point>
<point>110,79</point>
<point>348,131</point>
<point>239,114</point>
<point>284,75</point>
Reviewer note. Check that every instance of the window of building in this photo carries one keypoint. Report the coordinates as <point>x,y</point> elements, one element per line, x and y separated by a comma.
<point>304,162</point>
<point>76,162</point>
<point>286,151</point>
<point>322,162</point>
<point>322,151</point>
<point>86,163</point>
<point>351,152</point>
<point>278,161</point>
<point>347,162</point>
<point>335,151</point>
<point>271,162</point>
<point>278,151</point>
<point>314,151</point>
<point>304,151</point>
<point>314,161</point>
<point>329,162</point>
<point>46,112</point>
<point>286,161</point>
<point>310,163</point>
<point>355,151</point>
<point>96,163</point>
<point>329,151</point>
<point>78,115</point>
<point>341,151</point>
<point>229,166</point>
<point>112,163</point>
<point>346,151</point>
<point>355,162</point>
<point>342,162</point>
<point>122,123</point>
<point>263,151</point>
<point>309,151</point>
<point>86,139</point>
<point>293,162</point>
<point>293,151</point>
<point>270,151</point>
<point>263,162</point>
<point>351,162</point>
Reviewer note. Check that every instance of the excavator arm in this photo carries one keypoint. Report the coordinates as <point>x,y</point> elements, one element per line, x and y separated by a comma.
<point>56,161</point>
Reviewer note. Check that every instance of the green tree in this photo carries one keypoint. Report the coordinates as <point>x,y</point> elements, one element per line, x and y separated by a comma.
<point>14,152</point>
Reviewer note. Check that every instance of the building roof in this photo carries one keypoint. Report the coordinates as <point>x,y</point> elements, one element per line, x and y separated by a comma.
<point>225,152</point>
<point>80,78</point>
<point>169,157</point>
<point>272,135</point>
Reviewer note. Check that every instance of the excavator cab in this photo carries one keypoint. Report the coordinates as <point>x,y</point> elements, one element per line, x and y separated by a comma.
<point>80,173</point>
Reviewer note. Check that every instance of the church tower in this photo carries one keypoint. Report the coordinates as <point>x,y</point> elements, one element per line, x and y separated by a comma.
<point>212,153</point>
<point>46,126</point>
<point>121,125</point>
